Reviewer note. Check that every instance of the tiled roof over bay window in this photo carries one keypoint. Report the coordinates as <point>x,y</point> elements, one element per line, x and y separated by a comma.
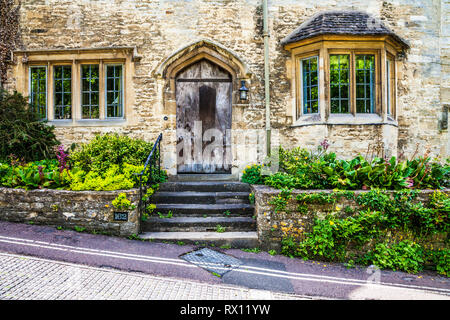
<point>342,23</point>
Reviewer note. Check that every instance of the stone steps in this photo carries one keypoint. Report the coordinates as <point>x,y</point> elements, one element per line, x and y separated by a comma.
<point>200,210</point>
<point>216,212</point>
<point>247,239</point>
<point>199,224</point>
<point>190,197</point>
<point>205,186</point>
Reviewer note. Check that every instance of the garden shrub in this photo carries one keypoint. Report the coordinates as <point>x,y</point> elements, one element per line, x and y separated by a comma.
<point>111,162</point>
<point>22,133</point>
<point>440,259</point>
<point>303,169</point>
<point>110,149</point>
<point>32,175</point>
<point>369,235</point>
<point>405,255</point>
<point>112,179</point>
<point>108,162</point>
<point>252,175</point>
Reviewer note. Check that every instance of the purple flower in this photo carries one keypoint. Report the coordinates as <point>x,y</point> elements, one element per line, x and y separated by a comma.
<point>410,182</point>
<point>41,174</point>
<point>62,158</point>
<point>325,144</point>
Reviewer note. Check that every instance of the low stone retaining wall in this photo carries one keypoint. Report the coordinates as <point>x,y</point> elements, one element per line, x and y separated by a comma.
<point>273,226</point>
<point>91,210</point>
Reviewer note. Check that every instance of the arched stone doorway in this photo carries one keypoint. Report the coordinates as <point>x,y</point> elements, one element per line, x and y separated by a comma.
<point>203,94</point>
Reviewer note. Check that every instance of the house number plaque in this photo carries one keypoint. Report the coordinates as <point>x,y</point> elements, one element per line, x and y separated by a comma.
<point>120,216</point>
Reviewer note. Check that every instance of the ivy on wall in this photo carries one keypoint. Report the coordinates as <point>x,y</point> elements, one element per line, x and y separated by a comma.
<point>9,33</point>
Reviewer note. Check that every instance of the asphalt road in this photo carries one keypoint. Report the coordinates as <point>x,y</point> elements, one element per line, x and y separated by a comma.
<point>256,270</point>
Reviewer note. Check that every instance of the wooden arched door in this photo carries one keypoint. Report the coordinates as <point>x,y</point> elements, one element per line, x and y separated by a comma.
<point>203,98</point>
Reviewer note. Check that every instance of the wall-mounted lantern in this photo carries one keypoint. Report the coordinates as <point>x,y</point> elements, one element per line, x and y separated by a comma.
<point>243,90</point>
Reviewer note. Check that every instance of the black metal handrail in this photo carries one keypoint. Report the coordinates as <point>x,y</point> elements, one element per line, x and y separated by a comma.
<point>153,160</point>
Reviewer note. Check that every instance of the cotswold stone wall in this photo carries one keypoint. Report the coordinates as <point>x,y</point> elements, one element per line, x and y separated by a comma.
<point>91,210</point>
<point>274,226</point>
<point>159,28</point>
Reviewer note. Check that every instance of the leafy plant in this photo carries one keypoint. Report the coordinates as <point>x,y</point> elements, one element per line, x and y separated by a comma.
<point>303,169</point>
<point>79,229</point>
<point>405,255</point>
<point>251,198</point>
<point>108,150</point>
<point>440,258</point>
<point>252,175</point>
<point>168,216</point>
<point>220,229</point>
<point>22,132</point>
<point>32,175</point>
<point>280,201</point>
<point>122,203</point>
<point>114,178</point>
<point>251,250</point>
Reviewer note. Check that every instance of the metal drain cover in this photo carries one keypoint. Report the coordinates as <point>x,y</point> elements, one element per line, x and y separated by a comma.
<point>212,261</point>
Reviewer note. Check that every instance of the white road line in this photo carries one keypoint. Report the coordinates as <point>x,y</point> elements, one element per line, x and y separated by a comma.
<point>342,279</point>
<point>243,269</point>
<point>99,253</point>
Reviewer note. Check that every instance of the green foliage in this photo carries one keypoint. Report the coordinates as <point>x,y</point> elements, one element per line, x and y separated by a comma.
<point>405,255</point>
<point>98,165</point>
<point>79,229</point>
<point>302,169</point>
<point>33,175</point>
<point>440,258</point>
<point>21,131</point>
<point>108,150</point>
<point>122,203</point>
<point>252,174</point>
<point>370,228</point>
<point>113,178</point>
<point>168,216</point>
<point>251,250</point>
<point>220,229</point>
<point>111,162</point>
<point>280,201</point>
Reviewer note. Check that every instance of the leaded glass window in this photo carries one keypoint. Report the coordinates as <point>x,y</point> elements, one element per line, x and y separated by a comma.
<point>114,91</point>
<point>62,77</point>
<point>340,83</point>
<point>365,83</point>
<point>90,91</point>
<point>38,90</point>
<point>310,85</point>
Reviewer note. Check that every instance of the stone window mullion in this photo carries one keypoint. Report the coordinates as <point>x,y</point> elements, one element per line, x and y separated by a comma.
<point>50,92</point>
<point>102,91</point>
<point>76,89</point>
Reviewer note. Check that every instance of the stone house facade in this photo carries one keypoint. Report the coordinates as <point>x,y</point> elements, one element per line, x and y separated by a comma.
<point>365,75</point>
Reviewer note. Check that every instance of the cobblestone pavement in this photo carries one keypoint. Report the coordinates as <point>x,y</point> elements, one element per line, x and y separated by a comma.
<point>29,278</point>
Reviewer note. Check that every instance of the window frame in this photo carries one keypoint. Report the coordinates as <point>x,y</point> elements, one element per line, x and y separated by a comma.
<point>301,110</point>
<point>80,78</point>
<point>30,92</point>
<point>381,46</point>
<point>53,90</point>
<point>328,70</point>
<point>122,95</point>
<point>352,79</point>
<point>298,107</point>
<point>391,84</point>
<point>76,113</point>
